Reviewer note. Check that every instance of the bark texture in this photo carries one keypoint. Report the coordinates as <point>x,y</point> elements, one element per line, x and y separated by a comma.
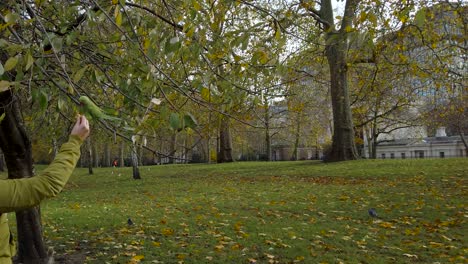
<point>16,147</point>
<point>225,142</point>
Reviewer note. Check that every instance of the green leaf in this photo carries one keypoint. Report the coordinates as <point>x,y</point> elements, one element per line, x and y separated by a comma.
<point>2,70</point>
<point>172,45</point>
<point>190,121</point>
<point>43,101</point>
<point>11,18</point>
<point>29,61</point>
<point>79,74</point>
<point>420,18</point>
<point>11,63</point>
<point>174,121</point>
<point>61,104</point>
<point>57,43</point>
<point>2,116</point>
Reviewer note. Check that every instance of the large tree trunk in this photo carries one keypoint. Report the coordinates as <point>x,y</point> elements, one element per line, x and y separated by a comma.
<point>225,142</point>
<point>343,146</point>
<point>16,147</point>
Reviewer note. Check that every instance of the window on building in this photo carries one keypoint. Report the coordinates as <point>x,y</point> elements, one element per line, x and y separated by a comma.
<point>403,155</point>
<point>392,155</point>
<point>383,155</point>
<point>419,154</point>
<point>442,154</point>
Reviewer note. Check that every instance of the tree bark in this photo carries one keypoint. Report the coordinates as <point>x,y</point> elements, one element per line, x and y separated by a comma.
<point>90,156</point>
<point>136,170</point>
<point>107,156</point>
<point>173,147</point>
<point>343,146</point>
<point>122,149</point>
<point>336,48</point>
<point>225,142</point>
<point>267,130</point>
<point>95,159</point>
<point>297,137</point>
<point>16,147</point>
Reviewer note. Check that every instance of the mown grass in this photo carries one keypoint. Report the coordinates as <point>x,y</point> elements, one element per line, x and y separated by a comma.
<point>259,212</point>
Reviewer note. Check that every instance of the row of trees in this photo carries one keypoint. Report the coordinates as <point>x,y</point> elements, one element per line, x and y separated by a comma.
<point>188,76</point>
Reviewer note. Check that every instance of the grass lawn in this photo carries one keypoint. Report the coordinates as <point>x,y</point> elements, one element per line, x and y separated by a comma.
<point>259,212</point>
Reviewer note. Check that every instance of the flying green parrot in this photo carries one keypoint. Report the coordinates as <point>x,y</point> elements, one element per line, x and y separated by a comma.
<point>90,109</point>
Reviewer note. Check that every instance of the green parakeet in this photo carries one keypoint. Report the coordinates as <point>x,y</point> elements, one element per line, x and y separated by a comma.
<point>90,109</point>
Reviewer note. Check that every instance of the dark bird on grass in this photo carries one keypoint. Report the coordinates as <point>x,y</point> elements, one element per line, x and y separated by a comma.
<point>130,222</point>
<point>373,213</point>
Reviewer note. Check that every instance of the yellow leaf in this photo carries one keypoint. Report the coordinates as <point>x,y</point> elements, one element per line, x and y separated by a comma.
<point>436,244</point>
<point>219,247</point>
<point>196,5</point>
<point>114,2</point>
<point>5,85</point>
<point>205,93</point>
<point>157,244</point>
<point>387,225</point>
<point>138,257</point>
<point>118,16</point>
<point>168,231</point>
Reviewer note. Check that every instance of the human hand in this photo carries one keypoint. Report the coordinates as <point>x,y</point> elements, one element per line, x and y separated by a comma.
<point>81,127</point>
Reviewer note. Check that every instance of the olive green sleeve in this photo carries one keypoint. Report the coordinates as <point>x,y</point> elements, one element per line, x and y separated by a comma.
<point>27,192</point>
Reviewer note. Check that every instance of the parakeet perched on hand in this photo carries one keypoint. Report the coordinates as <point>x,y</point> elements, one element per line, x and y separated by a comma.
<point>90,109</point>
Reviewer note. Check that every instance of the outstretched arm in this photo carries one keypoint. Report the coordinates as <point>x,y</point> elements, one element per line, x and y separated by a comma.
<point>23,193</point>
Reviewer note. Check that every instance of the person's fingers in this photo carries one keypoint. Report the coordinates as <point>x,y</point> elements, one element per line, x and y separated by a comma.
<point>78,120</point>
<point>86,122</point>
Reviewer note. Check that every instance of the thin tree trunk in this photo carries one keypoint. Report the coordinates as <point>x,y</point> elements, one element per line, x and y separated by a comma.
<point>267,130</point>
<point>122,149</point>
<point>95,159</point>
<point>462,137</point>
<point>225,142</point>
<point>173,149</point>
<point>297,137</point>
<point>136,170</point>
<point>90,156</point>
<point>16,147</point>
<point>107,155</point>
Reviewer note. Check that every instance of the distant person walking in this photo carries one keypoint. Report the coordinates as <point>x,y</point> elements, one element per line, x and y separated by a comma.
<point>23,193</point>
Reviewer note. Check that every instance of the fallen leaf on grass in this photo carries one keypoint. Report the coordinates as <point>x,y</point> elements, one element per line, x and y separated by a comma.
<point>138,257</point>
<point>410,256</point>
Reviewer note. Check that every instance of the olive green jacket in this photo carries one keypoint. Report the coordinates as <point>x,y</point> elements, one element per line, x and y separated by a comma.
<point>28,192</point>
